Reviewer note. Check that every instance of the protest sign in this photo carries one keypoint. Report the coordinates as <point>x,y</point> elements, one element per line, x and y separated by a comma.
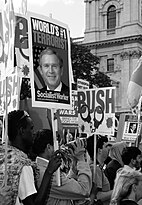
<point>69,117</point>
<point>96,111</point>
<point>132,127</point>
<point>49,34</point>
<point>13,93</point>
<point>8,28</point>
<point>82,84</point>
<point>22,46</point>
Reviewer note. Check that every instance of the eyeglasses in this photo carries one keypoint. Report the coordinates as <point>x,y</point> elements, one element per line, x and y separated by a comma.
<point>24,115</point>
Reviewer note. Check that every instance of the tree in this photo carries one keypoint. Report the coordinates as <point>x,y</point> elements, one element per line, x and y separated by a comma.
<point>85,66</point>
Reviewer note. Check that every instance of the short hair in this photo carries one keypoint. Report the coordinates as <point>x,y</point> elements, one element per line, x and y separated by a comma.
<point>99,144</point>
<point>50,51</point>
<point>130,153</point>
<point>123,185</point>
<point>16,119</point>
<point>42,138</point>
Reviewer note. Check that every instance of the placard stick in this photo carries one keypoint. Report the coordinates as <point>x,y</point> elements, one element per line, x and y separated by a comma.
<point>56,146</point>
<point>75,134</point>
<point>95,154</point>
<point>6,132</point>
<point>139,120</point>
<point>67,137</point>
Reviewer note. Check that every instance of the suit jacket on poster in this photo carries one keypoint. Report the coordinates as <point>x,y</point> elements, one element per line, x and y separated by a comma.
<point>64,89</point>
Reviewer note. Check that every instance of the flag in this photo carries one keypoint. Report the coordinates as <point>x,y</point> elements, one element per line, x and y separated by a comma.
<point>134,90</point>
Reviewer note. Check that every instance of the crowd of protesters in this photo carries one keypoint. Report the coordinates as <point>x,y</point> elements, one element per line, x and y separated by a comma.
<point>113,177</point>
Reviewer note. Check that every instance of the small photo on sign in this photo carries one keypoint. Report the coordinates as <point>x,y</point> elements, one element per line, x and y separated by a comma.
<point>133,128</point>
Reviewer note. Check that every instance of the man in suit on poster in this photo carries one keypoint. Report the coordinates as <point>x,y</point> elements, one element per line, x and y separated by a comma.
<point>133,128</point>
<point>51,69</point>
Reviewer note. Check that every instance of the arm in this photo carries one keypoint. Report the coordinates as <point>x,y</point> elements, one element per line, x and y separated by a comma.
<point>102,184</point>
<point>40,197</point>
<point>93,194</point>
<point>104,195</point>
<point>74,189</point>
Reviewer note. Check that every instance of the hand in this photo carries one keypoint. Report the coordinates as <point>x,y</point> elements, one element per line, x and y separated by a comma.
<point>5,195</point>
<point>54,162</point>
<point>79,150</point>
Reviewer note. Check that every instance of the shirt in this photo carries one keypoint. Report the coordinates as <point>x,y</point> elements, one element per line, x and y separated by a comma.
<point>58,88</point>
<point>70,188</point>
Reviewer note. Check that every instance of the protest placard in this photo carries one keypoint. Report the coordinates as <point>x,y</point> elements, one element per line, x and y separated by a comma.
<point>49,45</point>
<point>96,111</point>
<point>132,127</point>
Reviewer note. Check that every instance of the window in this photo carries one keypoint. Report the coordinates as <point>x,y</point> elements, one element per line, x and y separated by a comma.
<point>110,65</point>
<point>111,17</point>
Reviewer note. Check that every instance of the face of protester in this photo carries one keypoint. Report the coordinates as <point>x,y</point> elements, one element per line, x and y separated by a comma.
<point>51,70</point>
<point>28,133</point>
<point>137,161</point>
<point>49,151</point>
<point>105,151</point>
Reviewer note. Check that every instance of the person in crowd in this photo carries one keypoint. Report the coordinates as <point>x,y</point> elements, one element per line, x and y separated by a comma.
<point>72,188</point>
<point>51,68</point>
<point>20,169</point>
<point>108,159</point>
<point>100,184</point>
<point>127,188</point>
<point>131,157</point>
<point>115,163</point>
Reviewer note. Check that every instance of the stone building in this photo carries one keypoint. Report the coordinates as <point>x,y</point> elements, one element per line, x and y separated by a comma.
<point>113,32</point>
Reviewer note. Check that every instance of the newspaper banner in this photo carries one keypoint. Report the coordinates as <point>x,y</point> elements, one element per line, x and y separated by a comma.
<point>13,89</point>
<point>132,127</point>
<point>49,44</point>
<point>82,84</point>
<point>69,117</point>
<point>96,111</point>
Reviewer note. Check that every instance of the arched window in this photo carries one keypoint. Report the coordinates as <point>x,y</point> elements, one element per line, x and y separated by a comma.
<point>111,17</point>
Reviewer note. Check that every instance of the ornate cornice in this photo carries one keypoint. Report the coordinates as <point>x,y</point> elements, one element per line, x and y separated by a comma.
<point>130,54</point>
<point>88,1</point>
<point>113,42</point>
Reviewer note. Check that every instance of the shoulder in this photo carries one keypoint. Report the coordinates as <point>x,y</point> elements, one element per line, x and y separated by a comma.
<point>42,89</point>
<point>64,88</point>
<point>113,164</point>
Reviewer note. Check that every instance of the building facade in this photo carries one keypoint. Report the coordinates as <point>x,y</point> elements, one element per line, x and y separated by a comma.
<point>113,32</point>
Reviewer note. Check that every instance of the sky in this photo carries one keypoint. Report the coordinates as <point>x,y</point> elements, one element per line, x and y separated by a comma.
<point>70,12</point>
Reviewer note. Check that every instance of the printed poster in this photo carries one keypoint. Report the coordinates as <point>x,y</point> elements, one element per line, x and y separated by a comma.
<point>69,117</point>
<point>49,47</point>
<point>82,84</point>
<point>132,127</point>
<point>96,111</point>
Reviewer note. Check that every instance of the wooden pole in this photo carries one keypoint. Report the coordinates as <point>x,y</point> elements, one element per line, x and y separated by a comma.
<point>56,146</point>
<point>95,154</point>
<point>6,133</point>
